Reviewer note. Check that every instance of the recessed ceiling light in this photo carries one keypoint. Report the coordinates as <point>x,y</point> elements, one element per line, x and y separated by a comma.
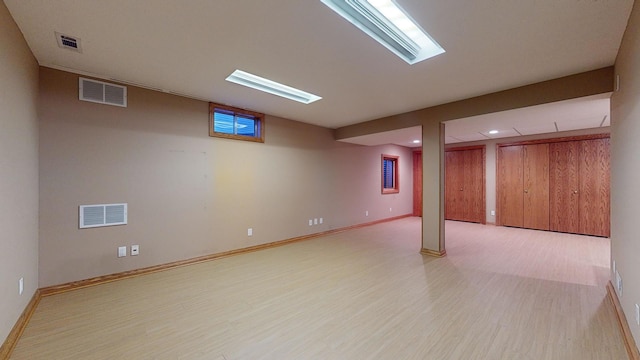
<point>390,25</point>
<point>271,87</point>
<point>416,141</point>
<point>493,132</point>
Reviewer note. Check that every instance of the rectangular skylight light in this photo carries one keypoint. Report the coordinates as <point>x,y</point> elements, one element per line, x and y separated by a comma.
<point>271,87</point>
<point>390,25</point>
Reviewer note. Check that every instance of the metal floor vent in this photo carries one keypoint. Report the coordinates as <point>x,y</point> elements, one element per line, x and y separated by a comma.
<point>102,215</point>
<point>102,92</point>
<point>68,42</point>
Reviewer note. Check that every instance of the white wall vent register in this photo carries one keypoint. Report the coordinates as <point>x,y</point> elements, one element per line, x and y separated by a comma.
<point>102,215</point>
<point>68,42</point>
<point>102,92</point>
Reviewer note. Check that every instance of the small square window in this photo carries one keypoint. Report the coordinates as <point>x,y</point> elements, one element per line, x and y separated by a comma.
<point>233,123</point>
<point>390,179</point>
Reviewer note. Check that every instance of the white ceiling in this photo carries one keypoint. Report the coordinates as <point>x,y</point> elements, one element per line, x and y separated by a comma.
<point>190,47</point>
<point>583,113</point>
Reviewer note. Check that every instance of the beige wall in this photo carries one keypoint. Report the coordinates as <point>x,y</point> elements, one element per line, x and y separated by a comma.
<point>190,194</point>
<point>625,170</point>
<point>490,169</point>
<point>18,172</point>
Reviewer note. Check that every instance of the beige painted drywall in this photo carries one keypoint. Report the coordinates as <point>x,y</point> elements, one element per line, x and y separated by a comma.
<point>588,83</point>
<point>432,177</point>
<point>18,172</point>
<point>625,170</point>
<point>190,194</point>
<point>490,169</point>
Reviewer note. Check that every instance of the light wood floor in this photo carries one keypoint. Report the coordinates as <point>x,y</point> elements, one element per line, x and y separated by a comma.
<point>500,293</point>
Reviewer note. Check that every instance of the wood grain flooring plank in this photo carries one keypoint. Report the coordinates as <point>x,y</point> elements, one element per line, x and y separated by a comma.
<point>501,293</point>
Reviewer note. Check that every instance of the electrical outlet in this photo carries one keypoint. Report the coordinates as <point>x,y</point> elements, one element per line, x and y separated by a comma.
<point>21,286</point>
<point>249,232</point>
<point>310,222</point>
<point>493,213</point>
<point>122,251</point>
<point>320,220</point>
<point>619,283</point>
<point>637,314</point>
<point>366,213</point>
<point>135,250</point>
<point>389,209</point>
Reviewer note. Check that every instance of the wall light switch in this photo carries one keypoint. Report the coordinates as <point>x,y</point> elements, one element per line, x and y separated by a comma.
<point>315,221</point>
<point>21,286</point>
<point>390,209</point>
<point>122,251</point>
<point>638,314</point>
<point>320,220</point>
<point>366,213</point>
<point>135,250</point>
<point>310,222</point>
<point>249,232</point>
<point>493,213</point>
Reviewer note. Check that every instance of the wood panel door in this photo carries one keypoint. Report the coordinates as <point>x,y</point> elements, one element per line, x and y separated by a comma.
<point>594,189</point>
<point>473,185</point>
<point>535,161</point>
<point>465,184</point>
<point>454,200</point>
<point>564,186</point>
<point>511,186</point>
<point>417,183</point>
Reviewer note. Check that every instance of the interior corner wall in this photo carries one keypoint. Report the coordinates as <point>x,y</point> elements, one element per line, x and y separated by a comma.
<point>490,153</point>
<point>18,172</point>
<point>625,170</point>
<point>189,194</point>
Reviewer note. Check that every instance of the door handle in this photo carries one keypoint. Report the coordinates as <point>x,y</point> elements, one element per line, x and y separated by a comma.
<point>575,191</point>
<point>460,189</point>
<point>526,191</point>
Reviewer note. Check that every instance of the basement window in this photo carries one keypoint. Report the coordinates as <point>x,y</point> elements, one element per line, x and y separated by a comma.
<point>390,183</point>
<point>233,123</point>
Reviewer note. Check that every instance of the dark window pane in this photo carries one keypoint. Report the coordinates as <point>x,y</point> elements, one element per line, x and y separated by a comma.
<point>388,169</point>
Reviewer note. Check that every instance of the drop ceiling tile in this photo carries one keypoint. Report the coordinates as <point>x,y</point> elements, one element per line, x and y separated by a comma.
<point>451,140</point>
<point>471,137</point>
<point>541,128</point>
<point>576,124</point>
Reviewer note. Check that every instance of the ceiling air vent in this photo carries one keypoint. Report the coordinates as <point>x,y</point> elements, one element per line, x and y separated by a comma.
<point>102,92</point>
<point>102,215</point>
<point>68,42</point>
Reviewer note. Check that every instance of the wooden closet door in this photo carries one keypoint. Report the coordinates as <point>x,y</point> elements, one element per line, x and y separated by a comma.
<point>564,184</point>
<point>594,187</point>
<point>473,191</point>
<point>510,185</point>
<point>536,186</point>
<point>454,207</point>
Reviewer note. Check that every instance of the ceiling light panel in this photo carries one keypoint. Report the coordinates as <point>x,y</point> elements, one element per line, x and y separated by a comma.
<point>390,25</point>
<point>259,83</point>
